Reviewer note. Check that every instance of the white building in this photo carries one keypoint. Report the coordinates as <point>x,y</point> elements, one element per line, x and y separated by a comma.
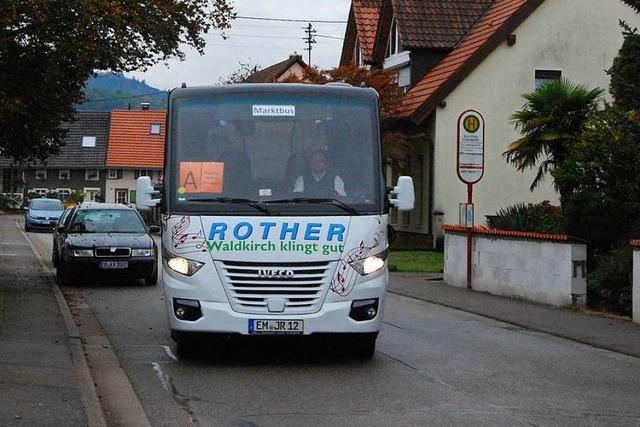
<point>136,148</point>
<point>483,55</point>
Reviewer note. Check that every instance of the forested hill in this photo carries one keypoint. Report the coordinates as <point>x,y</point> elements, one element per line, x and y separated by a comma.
<point>115,91</point>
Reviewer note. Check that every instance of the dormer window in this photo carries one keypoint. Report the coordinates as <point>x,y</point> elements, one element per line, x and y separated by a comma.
<point>155,129</point>
<point>89,141</point>
<point>394,45</point>
<point>357,54</point>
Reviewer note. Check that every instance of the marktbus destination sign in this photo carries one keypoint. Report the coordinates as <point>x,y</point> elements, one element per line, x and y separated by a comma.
<point>470,147</point>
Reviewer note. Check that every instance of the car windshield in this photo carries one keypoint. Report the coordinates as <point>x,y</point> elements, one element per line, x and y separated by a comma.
<point>107,221</point>
<point>264,147</point>
<point>46,205</point>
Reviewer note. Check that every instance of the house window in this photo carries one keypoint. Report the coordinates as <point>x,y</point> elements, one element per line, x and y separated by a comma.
<point>63,193</point>
<point>394,45</point>
<point>92,175</point>
<point>143,172</point>
<point>155,129</point>
<point>41,174</point>
<point>543,76</point>
<point>121,195</point>
<point>91,194</point>
<point>88,141</point>
<point>114,174</point>
<point>64,174</point>
<point>357,54</point>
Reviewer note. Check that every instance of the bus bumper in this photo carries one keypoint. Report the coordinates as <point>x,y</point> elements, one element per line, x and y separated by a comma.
<point>333,316</point>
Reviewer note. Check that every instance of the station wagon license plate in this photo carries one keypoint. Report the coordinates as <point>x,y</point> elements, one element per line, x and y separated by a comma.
<point>113,265</point>
<point>276,327</point>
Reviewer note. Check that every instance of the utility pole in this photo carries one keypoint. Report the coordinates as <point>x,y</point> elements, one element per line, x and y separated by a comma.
<point>309,39</point>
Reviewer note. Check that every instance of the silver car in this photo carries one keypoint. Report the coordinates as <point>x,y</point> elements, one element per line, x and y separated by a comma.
<point>42,214</point>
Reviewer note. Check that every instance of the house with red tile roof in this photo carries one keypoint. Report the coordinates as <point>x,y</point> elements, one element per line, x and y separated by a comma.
<point>135,149</point>
<point>455,55</point>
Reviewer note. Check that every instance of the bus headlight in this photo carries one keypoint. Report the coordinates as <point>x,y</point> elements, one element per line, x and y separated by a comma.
<point>183,265</point>
<point>370,264</point>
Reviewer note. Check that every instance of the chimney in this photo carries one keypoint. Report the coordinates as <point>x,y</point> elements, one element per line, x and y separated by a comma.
<point>144,106</point>
<point>295,56</point>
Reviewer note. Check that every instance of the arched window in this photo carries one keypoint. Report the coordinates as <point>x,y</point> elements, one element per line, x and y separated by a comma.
<point>394,45</point>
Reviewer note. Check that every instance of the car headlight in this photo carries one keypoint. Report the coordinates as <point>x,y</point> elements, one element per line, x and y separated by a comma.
<point>85,253</point>
<point>142,252</point>
<point>183,265</point>
<point>370,264</point>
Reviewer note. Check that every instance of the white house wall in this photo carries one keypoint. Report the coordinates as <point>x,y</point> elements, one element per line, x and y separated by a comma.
<point>578,37</point>
<point>127,181</point>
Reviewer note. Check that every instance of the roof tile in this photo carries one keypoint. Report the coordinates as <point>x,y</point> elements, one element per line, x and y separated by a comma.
<point>130,141</point>
<point>495,18</point>
<point>73,154</point>
<point>436,24</point>
<point>272,73</point>
<point>532,235</point>
<point>367,15</point>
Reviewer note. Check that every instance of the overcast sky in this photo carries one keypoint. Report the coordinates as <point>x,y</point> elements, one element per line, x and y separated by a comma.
<point>257,42</point>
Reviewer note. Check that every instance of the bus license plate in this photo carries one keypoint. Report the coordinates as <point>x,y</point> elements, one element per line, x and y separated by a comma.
<point>276,326</point>
<point>113,265</point>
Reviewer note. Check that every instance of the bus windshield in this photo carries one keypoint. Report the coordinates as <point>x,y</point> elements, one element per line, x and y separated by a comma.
<point>292,153</point>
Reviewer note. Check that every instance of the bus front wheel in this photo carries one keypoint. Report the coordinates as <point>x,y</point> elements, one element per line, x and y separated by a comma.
<point>363,346</point>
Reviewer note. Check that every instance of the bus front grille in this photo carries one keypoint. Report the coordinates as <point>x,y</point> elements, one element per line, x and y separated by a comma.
<point>253,287</point>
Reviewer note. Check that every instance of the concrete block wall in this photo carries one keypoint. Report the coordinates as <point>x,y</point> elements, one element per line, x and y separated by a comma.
<point>535,270</point>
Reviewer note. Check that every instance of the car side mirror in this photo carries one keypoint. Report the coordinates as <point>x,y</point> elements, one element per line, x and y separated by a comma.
<point>403,195</point>
<point>154,229</point>
<point>25,208</point>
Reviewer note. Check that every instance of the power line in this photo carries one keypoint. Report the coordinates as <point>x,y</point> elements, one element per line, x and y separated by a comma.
<point>125,97</point>
<point>329,37</point>
<point>257,18</point>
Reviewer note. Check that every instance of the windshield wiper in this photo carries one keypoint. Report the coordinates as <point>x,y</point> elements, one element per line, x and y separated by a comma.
<point>334,202</point>
<point>248,202</point>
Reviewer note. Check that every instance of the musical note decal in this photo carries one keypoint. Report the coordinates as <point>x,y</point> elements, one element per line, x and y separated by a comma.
<point>345,277</point>
<point>183,241</point>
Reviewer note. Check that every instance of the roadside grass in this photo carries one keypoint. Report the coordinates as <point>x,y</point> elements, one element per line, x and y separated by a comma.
<point>416,261</point>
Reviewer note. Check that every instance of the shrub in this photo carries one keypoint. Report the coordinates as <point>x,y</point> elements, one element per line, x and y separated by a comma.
<point>542,217</point>
<point>610,283</point>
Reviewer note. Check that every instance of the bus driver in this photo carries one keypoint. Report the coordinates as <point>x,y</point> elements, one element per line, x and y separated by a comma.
<point>319,181</point>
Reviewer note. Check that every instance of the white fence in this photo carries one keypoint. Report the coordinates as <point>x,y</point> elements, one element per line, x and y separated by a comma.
<point>548,269</point>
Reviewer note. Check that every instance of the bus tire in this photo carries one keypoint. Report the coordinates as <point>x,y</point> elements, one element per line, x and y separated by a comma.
<point>185,344</point>
<point>363,346</point>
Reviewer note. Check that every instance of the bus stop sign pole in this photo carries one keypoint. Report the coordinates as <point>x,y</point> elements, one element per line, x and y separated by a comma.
<point>470,168</point>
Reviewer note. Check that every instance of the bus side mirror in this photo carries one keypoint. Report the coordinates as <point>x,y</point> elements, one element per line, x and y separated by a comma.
<point>145,193</point>
<point>403,196</point>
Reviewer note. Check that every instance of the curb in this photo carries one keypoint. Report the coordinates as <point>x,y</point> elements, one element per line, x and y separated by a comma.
<point>522,325</point>
<point>88,393</point>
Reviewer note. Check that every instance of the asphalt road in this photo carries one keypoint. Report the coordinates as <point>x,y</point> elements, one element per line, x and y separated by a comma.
<point>433,366</point>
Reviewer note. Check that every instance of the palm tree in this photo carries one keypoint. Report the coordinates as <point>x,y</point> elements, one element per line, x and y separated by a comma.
<point>550,121</point>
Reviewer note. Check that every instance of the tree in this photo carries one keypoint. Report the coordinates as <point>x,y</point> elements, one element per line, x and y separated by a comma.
<point>550,122</point>
<point>49,48</point>
<point>245,69</point>
<point>603,168</point>
<point>625,72</point>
